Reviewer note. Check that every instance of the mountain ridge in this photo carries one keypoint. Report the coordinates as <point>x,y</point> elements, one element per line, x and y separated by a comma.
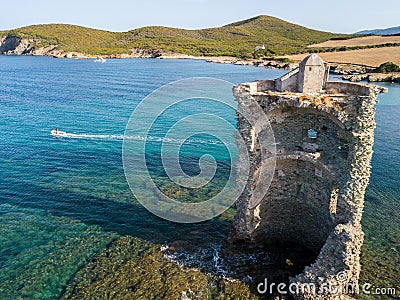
<point>237,39</point>
<point>385,31</point>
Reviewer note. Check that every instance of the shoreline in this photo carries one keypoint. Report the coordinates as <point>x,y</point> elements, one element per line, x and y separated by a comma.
<point>347,71</point>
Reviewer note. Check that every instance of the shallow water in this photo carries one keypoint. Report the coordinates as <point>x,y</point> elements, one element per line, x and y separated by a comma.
<point>62,200</point>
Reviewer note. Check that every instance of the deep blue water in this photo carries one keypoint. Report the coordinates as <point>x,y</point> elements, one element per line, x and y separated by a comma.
<point>62,200</point>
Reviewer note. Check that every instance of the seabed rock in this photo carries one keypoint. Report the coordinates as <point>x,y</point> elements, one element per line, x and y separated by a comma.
<point>131,268</point>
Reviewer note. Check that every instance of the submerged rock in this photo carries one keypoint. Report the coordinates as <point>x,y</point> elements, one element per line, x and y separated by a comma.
<point>135,269</point>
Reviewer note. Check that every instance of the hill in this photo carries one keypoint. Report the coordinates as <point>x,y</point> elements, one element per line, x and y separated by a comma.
<point>237,39</point>
<point>387,31</point>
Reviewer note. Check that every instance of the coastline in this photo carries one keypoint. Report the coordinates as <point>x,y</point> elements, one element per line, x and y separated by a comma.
<point>347,71</point>
<point>156,54</point>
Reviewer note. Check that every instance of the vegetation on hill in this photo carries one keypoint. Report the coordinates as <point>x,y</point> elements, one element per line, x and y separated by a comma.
<point>237,39</point>
<point>368,40</point>
<point>72,38</point>
<point>346,48</point>
<point>388,67</point>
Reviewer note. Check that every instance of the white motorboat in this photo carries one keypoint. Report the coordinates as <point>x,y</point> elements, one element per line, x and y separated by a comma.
<point>100,60</point>
<point>58,133</point>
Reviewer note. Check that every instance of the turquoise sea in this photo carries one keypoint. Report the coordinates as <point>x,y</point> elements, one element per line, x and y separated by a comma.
<point>63,200</point>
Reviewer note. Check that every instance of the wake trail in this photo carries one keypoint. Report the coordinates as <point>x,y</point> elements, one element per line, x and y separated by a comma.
<point>151,139</point>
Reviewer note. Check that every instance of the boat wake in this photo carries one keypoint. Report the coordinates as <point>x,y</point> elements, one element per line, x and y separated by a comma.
<point>151,139</point>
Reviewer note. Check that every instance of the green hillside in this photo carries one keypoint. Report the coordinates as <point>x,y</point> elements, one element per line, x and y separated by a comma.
<point>72,38</point>
<point>236,39</point>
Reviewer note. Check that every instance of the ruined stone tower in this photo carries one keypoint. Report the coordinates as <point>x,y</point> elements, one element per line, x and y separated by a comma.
<point>324,133</point>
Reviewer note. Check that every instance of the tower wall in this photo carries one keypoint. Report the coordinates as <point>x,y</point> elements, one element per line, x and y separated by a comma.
<point>317,192</point>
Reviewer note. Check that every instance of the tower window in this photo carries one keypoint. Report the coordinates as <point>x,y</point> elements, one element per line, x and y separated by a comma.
<point>312,134</point>
<point>310,68</point>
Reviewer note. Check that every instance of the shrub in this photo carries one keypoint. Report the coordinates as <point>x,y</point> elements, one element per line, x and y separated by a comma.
<point>387,67</point>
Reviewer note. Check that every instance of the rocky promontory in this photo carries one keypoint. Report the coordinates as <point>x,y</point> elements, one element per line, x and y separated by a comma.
<point>356,73</point>
<point>349,69</point>
<point>373,77</point>
<point>14,45</point>
<point>270,63</point>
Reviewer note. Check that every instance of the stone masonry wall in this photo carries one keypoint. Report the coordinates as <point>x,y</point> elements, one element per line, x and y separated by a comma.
<point>317,193</point>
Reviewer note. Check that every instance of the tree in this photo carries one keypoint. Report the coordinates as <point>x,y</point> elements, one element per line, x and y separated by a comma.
<point>387,67</point>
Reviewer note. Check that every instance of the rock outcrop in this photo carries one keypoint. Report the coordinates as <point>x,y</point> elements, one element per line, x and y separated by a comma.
<point>145,53</point>
<point>357,73</point>
<point>374,77</point>
<point>131,268</point>
<point>272,64</point>
<point>14,45</point>
<point>349,69</point>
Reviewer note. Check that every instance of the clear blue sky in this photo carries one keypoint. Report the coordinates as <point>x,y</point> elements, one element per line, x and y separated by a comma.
<point>345,16</point>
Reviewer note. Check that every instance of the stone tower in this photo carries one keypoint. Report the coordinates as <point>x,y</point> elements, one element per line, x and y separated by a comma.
<point>324,133</point>
<point>313,74</point>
